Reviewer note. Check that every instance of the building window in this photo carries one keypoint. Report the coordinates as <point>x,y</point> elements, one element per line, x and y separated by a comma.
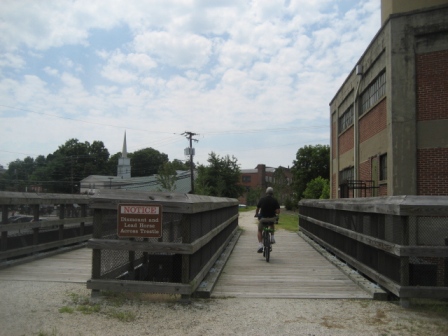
<point>246,178</point>
<point>346,175</point>
<point>374,92</point>
<point>346,119</point>
<point>383,167</point>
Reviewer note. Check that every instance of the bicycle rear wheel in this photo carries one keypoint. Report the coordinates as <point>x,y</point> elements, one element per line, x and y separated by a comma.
<point>267,246</point>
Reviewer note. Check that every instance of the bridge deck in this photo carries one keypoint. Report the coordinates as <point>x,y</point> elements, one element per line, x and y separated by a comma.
<point>296,270</point>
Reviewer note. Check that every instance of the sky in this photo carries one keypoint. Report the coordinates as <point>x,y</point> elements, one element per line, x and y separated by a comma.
<point>251,79</point>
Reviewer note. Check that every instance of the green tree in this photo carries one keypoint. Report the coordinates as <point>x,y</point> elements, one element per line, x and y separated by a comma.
<point>19,172</point>
<point>311,162</point>
<point>220,178</point>
<point>147,161</point>
<point>167,177</point>
<point>319,188</point>
<point>62,170</point>
<point>281,185</point>
<point>253,195</point>
<point>180,165</point>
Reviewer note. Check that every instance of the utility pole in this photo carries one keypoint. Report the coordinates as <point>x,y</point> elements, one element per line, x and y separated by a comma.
<point>189,136</point>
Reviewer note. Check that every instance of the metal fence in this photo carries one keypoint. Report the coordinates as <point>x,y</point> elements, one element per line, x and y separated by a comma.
<point>195,230</point>
<point>35,225</point>
<point>399,242</point>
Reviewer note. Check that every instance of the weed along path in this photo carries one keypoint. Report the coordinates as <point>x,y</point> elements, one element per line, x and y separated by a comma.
<point>296,270</point>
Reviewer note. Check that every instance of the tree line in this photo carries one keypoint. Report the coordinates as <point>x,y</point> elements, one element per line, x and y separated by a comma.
<point>62,171</point>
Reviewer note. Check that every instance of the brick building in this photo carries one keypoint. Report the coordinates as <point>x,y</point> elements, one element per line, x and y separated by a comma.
<point>258,179</point>
<point>389,119</point>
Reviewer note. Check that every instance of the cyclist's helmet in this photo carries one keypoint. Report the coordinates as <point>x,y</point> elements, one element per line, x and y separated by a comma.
<point>270,191</point>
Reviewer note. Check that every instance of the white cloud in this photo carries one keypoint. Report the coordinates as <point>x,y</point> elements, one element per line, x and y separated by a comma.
<point>172,66</point>
<point>10,60</point>
<point>51,71</point>
<point>180,51</point>
<point>125,68</point>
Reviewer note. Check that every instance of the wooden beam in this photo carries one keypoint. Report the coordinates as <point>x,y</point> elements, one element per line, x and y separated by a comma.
<point>126,245</point>
<point>423,292</point>
<point>9,198</point>
<point>199,243</point>
<point>387,283</point>
<point>201,275</point>
<point>397,250</point>
<point>139,286</point>
<point>371,241</point>
<point>42,247</point>
<point>45,224</point>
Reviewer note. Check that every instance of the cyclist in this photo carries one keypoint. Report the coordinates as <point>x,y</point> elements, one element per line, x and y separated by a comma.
<point>268,208</point>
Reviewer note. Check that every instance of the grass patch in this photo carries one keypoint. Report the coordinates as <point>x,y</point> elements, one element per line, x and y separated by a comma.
<point>246,209</point>
<point>89,309</point>
<point>123,316</point>
<point>44,333</point>
<point>289,222</point>
<point>66,309</point>
<point>79,299</point>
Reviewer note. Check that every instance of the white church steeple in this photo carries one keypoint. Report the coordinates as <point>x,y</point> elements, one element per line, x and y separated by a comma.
<point>124,163</point>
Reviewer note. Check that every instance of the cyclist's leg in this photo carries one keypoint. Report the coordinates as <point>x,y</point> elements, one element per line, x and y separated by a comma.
<point>259,236</point>
<point>272,234</point>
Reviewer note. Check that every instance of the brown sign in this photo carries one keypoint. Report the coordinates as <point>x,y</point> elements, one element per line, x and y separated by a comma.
<point>139,221</point>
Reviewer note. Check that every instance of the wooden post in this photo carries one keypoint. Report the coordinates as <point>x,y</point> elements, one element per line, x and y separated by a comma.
<point>61,216</point>
<point>4,238</point>
<point>445,268</point>
<point>404,261</point>
<point>96,253</point>
<point>4,214</point>
<point>35,212</point>
<point>131,265</point>
<point>186,239</point>
<point>83,214</point>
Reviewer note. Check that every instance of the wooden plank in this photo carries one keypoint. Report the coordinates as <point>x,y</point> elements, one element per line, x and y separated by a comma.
<point>74,266</point>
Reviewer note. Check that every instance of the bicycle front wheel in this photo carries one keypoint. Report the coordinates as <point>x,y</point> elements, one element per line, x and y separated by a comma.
<point>267,246</point>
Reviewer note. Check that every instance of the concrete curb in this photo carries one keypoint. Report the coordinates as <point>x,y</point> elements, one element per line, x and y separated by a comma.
<point>365,284</point>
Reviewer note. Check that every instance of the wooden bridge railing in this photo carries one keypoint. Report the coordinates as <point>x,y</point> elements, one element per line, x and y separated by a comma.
<point>399,242</point>
<point>194,232</point>
<point>37,238</point>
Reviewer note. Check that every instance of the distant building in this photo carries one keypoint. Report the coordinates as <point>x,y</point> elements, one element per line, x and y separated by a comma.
<point>93,183</point>
<point>124,163</point>
<point>389,119</point>
<point>258,179</point>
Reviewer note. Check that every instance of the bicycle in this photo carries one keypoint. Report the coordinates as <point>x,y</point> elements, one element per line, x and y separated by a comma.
<point>266,237</point>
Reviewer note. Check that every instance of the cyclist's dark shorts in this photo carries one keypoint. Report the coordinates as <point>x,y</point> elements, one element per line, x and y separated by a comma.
<point>265,222</point>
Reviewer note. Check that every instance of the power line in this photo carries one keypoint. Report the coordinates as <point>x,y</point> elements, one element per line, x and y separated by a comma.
<point>237,131</point>
<point>83,121</point>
